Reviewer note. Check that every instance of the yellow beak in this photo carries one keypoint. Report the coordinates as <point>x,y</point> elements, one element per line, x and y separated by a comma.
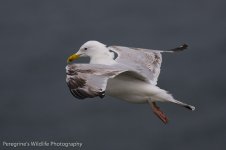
<point>73,57</point>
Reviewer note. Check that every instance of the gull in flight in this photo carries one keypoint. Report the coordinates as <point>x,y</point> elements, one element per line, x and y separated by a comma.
<point>126,73</point>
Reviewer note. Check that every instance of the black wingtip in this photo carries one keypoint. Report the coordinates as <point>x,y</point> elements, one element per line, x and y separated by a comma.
<point>180,48</point>
<point>102,94</point>
<point>189,107</point>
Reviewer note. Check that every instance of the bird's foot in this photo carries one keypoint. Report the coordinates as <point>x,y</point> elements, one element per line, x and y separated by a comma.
<point>159,113</point>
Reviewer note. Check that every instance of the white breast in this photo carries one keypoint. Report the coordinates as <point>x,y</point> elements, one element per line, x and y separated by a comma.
<point>128,89</point>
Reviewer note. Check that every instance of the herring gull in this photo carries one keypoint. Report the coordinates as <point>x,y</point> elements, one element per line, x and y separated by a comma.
<point>126,73</point>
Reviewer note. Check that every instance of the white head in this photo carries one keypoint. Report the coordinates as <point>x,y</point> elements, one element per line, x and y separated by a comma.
<point>91,49</point>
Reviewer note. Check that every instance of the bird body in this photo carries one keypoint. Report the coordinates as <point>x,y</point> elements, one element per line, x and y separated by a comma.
<point>126,73</point>
<point>129,89</point>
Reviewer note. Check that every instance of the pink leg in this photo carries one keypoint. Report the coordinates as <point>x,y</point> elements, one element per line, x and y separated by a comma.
<point>158,112</point>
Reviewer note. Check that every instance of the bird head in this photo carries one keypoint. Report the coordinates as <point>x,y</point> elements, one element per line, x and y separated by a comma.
<point>89,49</point>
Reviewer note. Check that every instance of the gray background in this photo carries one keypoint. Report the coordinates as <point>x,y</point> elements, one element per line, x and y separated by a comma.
<point>37,37</point>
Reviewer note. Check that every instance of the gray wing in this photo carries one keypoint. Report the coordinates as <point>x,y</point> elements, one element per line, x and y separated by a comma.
<point>146,62</point>
<point>90,80</point>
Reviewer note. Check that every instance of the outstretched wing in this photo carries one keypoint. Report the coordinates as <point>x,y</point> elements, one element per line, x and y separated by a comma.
<point>146,62</point>
<point>90,80</point>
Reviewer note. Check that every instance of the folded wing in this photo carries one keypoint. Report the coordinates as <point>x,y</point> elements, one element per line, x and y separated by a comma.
<point>146,62</point>
<point>90,80</point>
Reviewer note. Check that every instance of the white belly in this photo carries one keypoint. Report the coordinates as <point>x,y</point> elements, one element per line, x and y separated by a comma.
<point>137,91</point>
<point>128,89</point>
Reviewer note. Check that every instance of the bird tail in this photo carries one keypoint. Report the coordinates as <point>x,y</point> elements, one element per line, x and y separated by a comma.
<point>164,96</point>
<point>184,104</point>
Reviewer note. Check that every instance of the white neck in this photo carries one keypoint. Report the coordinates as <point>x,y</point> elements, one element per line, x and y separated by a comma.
<point>105,59</point>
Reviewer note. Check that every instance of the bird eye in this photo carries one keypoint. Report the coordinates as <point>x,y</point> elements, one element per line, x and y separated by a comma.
<point>85,48</point>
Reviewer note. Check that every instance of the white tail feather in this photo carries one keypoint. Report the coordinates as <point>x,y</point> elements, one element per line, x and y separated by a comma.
<point>163,96</point>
